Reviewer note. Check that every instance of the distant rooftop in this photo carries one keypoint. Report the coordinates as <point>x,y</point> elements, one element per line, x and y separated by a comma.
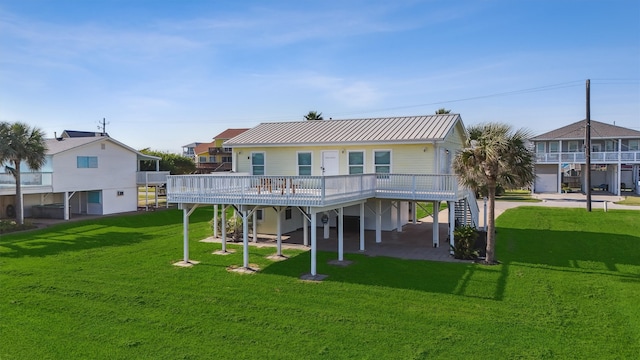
<point>78,134</point>
<point>229,133</point>
<point>599,130</point>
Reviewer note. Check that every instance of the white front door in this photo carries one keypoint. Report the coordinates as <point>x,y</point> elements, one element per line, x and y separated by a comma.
<point>330,162</point>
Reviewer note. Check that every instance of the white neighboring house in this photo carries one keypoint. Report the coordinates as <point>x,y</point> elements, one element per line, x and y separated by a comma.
<point>90,174</point>
<point>290,175</point>
<point>561,160</point>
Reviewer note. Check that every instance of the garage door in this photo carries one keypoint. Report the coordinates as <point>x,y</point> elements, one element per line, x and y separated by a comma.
<point>546,179</point>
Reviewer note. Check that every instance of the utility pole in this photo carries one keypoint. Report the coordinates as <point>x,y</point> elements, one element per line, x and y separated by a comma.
<point>102,126</point>
<point>587,144</point>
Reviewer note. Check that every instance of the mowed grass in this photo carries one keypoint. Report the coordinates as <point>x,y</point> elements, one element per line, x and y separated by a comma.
<point>568,287</point>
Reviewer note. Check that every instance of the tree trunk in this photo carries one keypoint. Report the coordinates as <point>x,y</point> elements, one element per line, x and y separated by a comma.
<point>491,224</point>
<point>19,205</point>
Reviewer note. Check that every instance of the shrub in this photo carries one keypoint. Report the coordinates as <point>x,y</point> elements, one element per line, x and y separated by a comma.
<point>464,242</point>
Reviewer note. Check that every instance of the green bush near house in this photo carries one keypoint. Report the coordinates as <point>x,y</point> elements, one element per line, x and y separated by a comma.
<point>567,287</point>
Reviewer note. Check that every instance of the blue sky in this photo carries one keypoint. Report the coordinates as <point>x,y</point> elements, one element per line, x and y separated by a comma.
<point>167,73</point>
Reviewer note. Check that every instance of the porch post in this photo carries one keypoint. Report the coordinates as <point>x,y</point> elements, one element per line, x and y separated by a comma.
<point>215,221</point>
<point>66,205</point>
<point>452,223</point>
<point>255,225</point>
<point>398,217</point>
<point>340,234</point>
<point>362,226</point>
<point>414,214</point>
<point>223,227</point>
<point>378,221</point>
<point>314,240</point>
<point>305,231</point>
<point>436,226</point>
<point>245,238</point>
<point>279,231</point>
<point>618,180</point>
<point>560,167</point>
<point>185,231</point>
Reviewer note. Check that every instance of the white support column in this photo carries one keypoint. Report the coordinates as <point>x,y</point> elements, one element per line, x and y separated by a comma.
<point>255,225</point>
<point>245,238</point>
<point>378,221</point>
<point>436,226</point>
<point>279,231</point>
<point>619,179</point>
<point>185,232</point>
<point>362,226</point>
<point>325,227</point>
<point>224,228</point>
<point>398,216</point>
<point>452,223</point>
<point>559,167</point>
<point>66,205</point>
<point>305,231</point>
<point>146,197</point>
<point>314,241</point>
<point>340,234</point>
<point>156,195</point>
<point>215,221</point>
<point>414,213</point>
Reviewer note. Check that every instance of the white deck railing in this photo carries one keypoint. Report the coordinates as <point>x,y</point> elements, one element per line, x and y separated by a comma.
<point>27,179</point>
<point>307,190</point>
<point>596,157</point>
<point>152,177</point>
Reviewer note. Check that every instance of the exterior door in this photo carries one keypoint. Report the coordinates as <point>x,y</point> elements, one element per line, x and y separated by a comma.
<point>330,163</point>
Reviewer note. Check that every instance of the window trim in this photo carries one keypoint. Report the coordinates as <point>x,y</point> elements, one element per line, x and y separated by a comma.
<point>364,160</point>
<point>544,147</point>
<point>390,165</point>
<point>557,147</point>
<point>264,162</point>
<point>82,160</point>
<point>298,162</point>
<point>573,142</point>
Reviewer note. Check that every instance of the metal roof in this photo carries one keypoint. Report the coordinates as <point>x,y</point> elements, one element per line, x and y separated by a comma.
<point>599,130</point>
<point>56,146</point>
<point>406,129</point>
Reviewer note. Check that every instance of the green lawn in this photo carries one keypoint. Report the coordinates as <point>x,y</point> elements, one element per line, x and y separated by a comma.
<point>568,287</point>
<point>630,200</point>
<point>517,195</point>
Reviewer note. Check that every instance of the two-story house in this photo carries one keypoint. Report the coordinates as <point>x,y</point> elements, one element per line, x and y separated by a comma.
<point>84,173</point>
<point>213,156</point>
<point>314,174</point>
<point>561,162</point>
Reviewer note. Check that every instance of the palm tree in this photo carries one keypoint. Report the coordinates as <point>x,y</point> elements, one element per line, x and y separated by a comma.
<point>21,143</point>
<point>442,111</point>
<point>494,155</point>
<point>313,115</point>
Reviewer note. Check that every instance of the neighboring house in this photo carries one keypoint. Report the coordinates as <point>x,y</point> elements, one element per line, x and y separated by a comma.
<point>213,156</point>
<point>615,159</point>
<point>189,150</point>
<point>368,171</point>
<point>94,175</point>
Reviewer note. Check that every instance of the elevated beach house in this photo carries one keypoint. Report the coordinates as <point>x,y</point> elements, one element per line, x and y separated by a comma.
<point>322,173</point>
<point>84,173</point>
<point>561,161</point>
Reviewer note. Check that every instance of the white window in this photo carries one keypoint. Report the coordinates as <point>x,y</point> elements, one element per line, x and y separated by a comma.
<point>573,146</point>
<point>553,147</point>
<point>203,159</point>
<point>610,145</point>
<point>259,215</point>
<point>540,148</point>
<point>304,163</point>
<point>257,163</point>
<point>382,161</point>
<point>634,145</point>
<point>212,159</point>
<point>596,147</point>
<point>84,162</point>
<point>356,162</point>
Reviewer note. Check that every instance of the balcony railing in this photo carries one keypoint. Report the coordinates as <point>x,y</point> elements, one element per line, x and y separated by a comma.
<point>596,157</point>
<point>308,190</point>
<point>151,177</point>
<point>27,179</point>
